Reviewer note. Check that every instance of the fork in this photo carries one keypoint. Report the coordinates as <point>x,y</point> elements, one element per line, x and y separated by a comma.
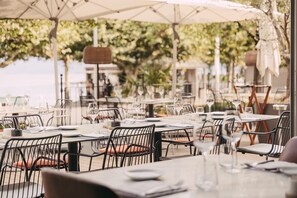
<point>254,164</point>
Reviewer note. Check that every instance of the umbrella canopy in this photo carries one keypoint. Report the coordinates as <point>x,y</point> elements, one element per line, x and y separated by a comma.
<point>64,9</point>
<point>56,10</point>
<point>177,12</point>
<point>268,55</point>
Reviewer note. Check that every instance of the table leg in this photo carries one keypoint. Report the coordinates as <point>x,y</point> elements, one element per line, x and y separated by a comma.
<point>73,159</point>
<point>150,110</point>
<point>158,146</point>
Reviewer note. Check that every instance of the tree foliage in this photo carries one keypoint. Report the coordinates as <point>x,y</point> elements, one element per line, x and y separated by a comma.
<point>20,39</point>
<point>137,45</point>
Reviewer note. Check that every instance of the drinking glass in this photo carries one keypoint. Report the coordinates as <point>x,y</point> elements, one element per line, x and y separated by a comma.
<point>204,144</point>
<point>232,131</point>
<point>236,102</point>
<point>137,106</point>
<point>140,91</point>
<point>118,91</point>
<point>27,98</point>
<point>8,100</point>
<point>178,105</point>
<point>150,91</point>
<point>249,111</point>
<point>161,91</point>
<point>209,102</point>
<point>92,111</point>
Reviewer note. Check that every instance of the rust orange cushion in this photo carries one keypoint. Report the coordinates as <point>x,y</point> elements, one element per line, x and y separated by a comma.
<point>39,163</point>
<point>124,148</point>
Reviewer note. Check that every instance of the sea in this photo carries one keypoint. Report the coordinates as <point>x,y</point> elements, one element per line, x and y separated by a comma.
<point>35,77</point>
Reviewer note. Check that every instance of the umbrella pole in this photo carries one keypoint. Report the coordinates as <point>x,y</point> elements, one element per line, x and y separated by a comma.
<point>217,63</point>
<point>174,58</point>
<point>98,77</point>
<point>174,67</point>
<point>56,68</point>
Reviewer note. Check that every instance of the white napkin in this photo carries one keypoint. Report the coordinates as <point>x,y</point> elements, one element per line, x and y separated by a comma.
<point>180,125</point>
<point>276,165</point>
<point>149,188</point>
<point>96,135</point>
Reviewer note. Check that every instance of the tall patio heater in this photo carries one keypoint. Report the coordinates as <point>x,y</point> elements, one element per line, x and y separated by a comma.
<point>97,55</point>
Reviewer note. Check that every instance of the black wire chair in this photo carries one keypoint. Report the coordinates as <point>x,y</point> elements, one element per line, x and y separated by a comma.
<point>84,102</point>
<point>276,139</point>
<point>179,137</point>
<point>98,146</point>
<point>22,121</point>
<point>21,163</point>
<point>129,146</point>
<point>211,129</point>
<point>63,113</point>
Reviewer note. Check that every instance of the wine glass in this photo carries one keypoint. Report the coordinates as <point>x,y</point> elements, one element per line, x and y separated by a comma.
<point>209,102</point>
<point>92,111</point>
<point>136,106</point>
<point>140,91</point>
<point>178,105</point>
<point>8,100</point>
<point>27,98</point>
<point>118,91</point>
<point>248,112</point>
<point>150,91</point>
<point>236,102</point>
<point>204,144</point>
<point>232,131</point>
<point>161,91</point>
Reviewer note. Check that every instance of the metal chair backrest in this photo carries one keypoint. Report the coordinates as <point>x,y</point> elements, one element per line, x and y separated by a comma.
<point>21,162</point>
<point>62,115</point>
<point>282,133</point>
<point>129,146</point>
<point>54,185</point>
<point>187,108</point>
<point>22,121</point>
<point>108,114</point>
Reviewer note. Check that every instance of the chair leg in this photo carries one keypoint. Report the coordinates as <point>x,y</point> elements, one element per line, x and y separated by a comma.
<point>90,164</point>
<point>167,148</point>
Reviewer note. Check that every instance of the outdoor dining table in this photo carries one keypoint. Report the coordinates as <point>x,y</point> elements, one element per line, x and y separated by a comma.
<point>73,135</point>
<point>247,183</point>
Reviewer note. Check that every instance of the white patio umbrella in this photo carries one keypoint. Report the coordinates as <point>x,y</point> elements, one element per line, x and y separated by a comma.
<point>176,12</point>
<point>268,55</point>
<point>56,10</point>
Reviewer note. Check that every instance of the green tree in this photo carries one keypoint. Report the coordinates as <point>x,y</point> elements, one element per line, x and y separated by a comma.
<point>20,39</point>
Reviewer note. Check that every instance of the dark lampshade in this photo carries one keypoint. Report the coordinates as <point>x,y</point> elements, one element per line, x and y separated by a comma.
<point>250,58</point>
<point>97,55</point>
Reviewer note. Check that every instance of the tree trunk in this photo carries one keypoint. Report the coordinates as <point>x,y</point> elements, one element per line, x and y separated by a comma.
<point>67,85</point>
<point>288,94</point>
<point>233,74</point>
